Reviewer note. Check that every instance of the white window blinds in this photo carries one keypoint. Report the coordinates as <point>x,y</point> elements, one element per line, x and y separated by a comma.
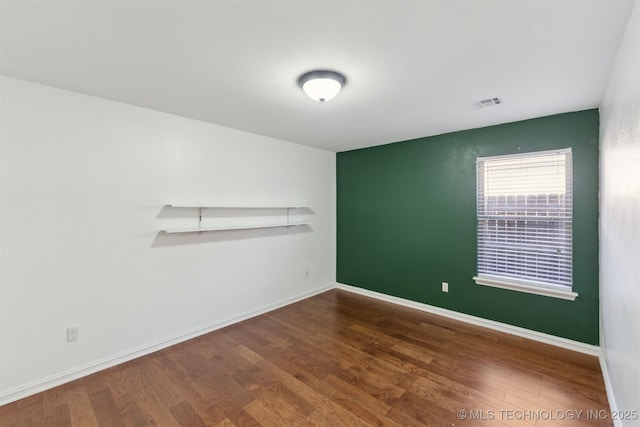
<point>525,217</point>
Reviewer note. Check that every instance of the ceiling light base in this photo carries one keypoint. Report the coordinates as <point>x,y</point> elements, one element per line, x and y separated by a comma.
<point>321,85</point>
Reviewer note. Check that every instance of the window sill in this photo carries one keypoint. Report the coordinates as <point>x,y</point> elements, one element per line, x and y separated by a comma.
<point>521,286</point>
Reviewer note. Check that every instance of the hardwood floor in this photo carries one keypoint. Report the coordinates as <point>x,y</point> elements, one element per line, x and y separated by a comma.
<point>336,359</point>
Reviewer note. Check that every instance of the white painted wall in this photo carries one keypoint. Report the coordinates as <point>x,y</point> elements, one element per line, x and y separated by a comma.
<point>83,184</point>
<point>620,223</point>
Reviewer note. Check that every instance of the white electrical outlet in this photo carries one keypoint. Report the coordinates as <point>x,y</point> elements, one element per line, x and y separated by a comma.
<point>445,287</point>
<point>306,274</point>
<point>72,334</point>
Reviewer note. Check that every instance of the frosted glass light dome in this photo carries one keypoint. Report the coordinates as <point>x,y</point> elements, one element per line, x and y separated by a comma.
<point>321,85</point>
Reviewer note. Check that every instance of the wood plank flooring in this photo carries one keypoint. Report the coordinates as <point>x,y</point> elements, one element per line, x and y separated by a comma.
<point>336,359</point>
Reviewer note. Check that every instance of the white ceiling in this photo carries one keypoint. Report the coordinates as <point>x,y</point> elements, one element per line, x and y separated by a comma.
<point>414,68</point>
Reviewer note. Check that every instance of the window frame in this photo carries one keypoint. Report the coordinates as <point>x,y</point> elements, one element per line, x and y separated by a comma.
<point>522,284</point>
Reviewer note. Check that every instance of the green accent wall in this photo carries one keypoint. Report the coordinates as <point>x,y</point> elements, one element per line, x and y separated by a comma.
<point>406,217</point>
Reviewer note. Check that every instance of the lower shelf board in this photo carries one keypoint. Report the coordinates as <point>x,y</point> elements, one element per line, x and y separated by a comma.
<point>234,227</point>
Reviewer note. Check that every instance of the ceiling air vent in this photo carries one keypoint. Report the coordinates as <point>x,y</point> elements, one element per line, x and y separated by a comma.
<point>489,102</point>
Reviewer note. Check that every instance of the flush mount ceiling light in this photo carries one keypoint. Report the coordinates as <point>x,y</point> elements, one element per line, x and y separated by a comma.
<point>321,85</point>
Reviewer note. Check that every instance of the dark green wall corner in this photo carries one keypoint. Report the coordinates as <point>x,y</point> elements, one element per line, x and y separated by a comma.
<point>406,217</point>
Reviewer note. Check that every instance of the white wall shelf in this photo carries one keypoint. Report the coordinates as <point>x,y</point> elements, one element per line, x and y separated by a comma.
<point>234,227</point>
<point>286,219</point>
<point>240,207</point>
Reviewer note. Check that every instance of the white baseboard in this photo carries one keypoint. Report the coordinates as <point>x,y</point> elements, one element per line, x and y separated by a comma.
<point>116,359</point>
<point>479,321</point>
<point>108,362</point>
<point>613,406</point>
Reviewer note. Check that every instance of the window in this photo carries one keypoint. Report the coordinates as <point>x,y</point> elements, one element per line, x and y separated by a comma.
<point>525,222</point>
